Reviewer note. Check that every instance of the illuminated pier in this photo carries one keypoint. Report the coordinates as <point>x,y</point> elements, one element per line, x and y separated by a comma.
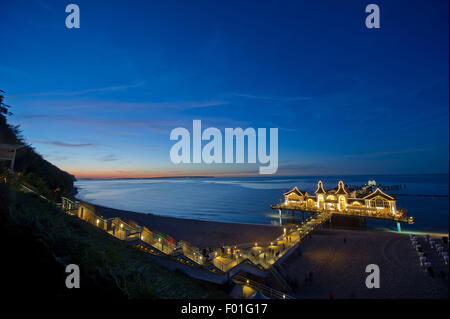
<point>340,201</point>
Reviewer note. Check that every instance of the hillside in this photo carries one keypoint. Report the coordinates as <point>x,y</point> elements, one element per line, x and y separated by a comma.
<point>35,170</point>
<point>40,240</point>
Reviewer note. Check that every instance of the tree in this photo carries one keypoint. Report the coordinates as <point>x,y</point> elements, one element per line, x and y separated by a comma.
<point>4,109</point>
<point>9,134</point>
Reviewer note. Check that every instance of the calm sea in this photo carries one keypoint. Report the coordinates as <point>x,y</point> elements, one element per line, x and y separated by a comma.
<point>248,199</point>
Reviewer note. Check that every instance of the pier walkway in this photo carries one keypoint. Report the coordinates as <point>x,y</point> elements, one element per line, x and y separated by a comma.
<point>356,213</point>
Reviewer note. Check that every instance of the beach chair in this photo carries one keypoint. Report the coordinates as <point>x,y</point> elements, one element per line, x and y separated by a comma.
<point>422,260</point>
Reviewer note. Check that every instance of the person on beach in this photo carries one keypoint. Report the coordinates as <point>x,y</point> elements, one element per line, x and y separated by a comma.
<point>431,272</point>
<point>345,240</point>
<point>330,296</point>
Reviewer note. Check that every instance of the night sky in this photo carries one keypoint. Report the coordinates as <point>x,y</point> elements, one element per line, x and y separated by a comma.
<point>100,101</point>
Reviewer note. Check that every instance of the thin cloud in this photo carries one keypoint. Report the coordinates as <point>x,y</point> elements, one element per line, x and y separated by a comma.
<point>47,7</point>
<point>120,106</point>
<point>63,144</point>
<point>14,72</point>
<point>82,92</point>
<point>275,98</point>
<point>161,126</point>
<point>389,153</point>
<point>177,105</point>
<point>108,158</point>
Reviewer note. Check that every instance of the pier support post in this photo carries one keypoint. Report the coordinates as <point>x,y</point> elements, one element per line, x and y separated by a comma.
<point>281,221</point>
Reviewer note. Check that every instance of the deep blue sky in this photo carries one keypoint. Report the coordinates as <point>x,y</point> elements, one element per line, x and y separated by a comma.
<point>101,100</point>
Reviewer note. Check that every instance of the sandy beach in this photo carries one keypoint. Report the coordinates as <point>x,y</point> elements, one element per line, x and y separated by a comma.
<point>338,265</point>
<point>198,232</point>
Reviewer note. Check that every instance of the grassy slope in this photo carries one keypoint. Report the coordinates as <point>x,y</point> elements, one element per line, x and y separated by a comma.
<point>35,170</point>
<point>41,240</point>
<point>38,241</point>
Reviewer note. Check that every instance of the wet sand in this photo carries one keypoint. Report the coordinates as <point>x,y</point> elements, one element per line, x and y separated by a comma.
<point>338,267</point>
<point>200,233</point>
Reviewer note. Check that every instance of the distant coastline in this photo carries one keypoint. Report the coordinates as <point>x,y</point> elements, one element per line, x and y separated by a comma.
<point>255,176</point>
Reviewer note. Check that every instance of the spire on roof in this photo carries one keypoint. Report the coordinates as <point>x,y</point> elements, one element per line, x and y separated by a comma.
<point>341,189</point>
<point>320,189</point>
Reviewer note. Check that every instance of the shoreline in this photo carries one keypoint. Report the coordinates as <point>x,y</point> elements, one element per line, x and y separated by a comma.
<point>175,218</point>
<point>209,233</point>
<point>201,233</point>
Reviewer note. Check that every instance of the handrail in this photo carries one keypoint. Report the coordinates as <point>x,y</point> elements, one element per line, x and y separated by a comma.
<point>265,290</point>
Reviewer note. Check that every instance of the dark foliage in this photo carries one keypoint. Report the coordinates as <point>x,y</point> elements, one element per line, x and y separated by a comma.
<point>38,172</point>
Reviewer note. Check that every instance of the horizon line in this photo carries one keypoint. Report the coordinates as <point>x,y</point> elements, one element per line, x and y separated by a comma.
<point>255,175</point>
